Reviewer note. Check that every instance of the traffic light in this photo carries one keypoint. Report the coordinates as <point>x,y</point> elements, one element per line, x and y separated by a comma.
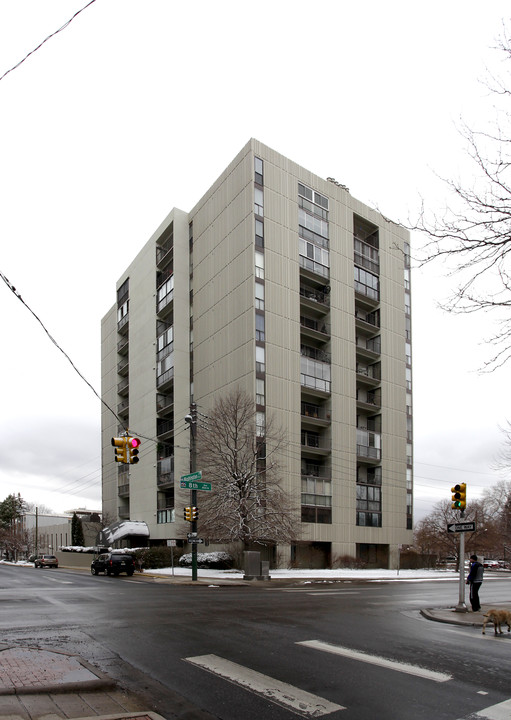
<point>121,454</point>
<point>133,445</point>
<point>187,514</point>
<point>195,513</point>
<point>459,497</point>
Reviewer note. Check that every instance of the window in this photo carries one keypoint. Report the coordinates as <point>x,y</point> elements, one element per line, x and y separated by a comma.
<point>122,311</point>
<point>259,265</point>
<point>312,195</point>
<point>260,424</point>
<point>367,284</point>
<point>314,258</point>
<point>258,170</point>
<point>259,321</point>
<point>258,201</point>
<point>260,361</point>
<point>259,233</point>
<point>165,340</point>
<point>259,296</point>
<point>259,391</point>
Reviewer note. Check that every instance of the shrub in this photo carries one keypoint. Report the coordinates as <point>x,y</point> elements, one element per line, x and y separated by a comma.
<point>153,557</point>
<point>217,560</point>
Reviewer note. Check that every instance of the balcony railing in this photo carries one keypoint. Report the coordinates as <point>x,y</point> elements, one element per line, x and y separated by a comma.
<point>315,324</point>
<point>315,412</point>
<point>366,451</point>
<point>318,296</point>
<point>314,383</point>
<point>165,377</point>
<point>370,371</point>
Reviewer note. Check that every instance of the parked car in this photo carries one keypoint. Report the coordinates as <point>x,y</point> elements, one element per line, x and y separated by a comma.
<point>46,561</point>
<point>491,564</point>
<point>113,563</point>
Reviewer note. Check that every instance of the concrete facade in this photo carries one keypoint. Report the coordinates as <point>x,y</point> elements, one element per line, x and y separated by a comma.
<point>283,284</point>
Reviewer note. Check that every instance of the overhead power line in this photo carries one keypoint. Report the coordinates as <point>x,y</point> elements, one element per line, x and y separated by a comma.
<point>46,39</point>
<point>16,293</point>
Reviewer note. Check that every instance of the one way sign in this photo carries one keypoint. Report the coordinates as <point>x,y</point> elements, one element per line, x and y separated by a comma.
<point>461,527</point>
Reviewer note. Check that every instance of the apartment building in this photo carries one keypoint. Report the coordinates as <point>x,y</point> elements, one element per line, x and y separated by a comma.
<point>281,283</point>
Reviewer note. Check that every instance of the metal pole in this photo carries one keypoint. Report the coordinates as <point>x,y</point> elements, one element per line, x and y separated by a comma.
<point>193,493</point>
<point>461,606</point>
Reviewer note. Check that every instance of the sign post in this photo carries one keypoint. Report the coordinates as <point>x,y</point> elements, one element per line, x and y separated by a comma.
<point>461,528</point>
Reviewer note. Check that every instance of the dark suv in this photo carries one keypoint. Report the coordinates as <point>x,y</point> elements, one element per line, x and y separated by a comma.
<point>46,561</point>
<point>113,563</point>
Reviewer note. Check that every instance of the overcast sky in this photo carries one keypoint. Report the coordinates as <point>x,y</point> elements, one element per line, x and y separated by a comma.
<point>137,106</point>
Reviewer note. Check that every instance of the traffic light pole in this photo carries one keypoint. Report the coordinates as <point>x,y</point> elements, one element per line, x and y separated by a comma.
<point>461,606</point>
<point>193,493</point>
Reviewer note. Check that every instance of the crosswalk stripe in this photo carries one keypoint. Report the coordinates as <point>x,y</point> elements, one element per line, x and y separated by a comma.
<point>501,711</point>
<point>377,660</point>
<point>299,701</point>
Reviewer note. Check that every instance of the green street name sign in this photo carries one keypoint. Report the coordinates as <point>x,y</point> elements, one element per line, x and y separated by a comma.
<point>190,485</point>
<point>192,476</point>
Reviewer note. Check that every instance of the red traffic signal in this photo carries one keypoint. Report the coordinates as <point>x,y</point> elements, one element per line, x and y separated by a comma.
<point>132,444</point>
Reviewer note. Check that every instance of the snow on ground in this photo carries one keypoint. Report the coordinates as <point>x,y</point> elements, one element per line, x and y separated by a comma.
<point>324,575</point>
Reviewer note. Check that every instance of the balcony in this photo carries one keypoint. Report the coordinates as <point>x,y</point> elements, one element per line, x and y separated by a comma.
<point>164,254</point>
<point>165,380</point>
<point>123,490</point>
<point>164,428</point>
<point>368,400</point>
<point>164,404</point>
<point>165,305</point>
<point>123,513</point>
<point>311,268</point>
<point>123,366</point>
<point>366,256</point>
<point>367,323</point>
<point>314,415</point>
<point>165,473</point>
<point>313,444</point>
<point>368,446</point>
<point>124,386</point>
<point>123,324</point>
<point>123,407</point>
<point>368,348</point>
<point>123,345</point>
<point>366,296</point>
<point>315,299</point>
<point>369,375</point>
<point>314,328</point>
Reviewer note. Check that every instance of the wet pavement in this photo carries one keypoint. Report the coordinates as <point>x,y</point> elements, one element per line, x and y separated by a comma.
<point>36,684</point>
<point>473,619</point>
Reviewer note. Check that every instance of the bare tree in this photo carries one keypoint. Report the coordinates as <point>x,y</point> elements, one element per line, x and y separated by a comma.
<point>247,502</point>
<point>473,236</point>
<point>431,536</point>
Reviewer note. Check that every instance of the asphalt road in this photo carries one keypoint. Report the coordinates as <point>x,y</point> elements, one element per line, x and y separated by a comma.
<point>345,651</point>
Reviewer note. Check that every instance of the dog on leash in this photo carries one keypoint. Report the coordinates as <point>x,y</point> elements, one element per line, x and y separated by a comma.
<point>498,618</point>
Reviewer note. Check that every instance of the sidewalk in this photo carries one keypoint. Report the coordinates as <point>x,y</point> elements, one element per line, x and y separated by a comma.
<point>37,683</point>
<point>470,618</point>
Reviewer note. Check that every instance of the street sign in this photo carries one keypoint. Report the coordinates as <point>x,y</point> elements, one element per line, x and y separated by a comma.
<point>191,485</point>
<point>192,476</point>
<point>461,527</point>
<point>195,541</point>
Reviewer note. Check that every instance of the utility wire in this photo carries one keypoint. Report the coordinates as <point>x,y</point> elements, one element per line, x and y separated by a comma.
<point>16,293</point>
<point>46,39</point>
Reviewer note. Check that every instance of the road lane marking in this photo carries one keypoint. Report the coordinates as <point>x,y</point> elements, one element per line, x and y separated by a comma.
<point>292,698</point>
<point>501,711</point>
<point>377,660</point>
